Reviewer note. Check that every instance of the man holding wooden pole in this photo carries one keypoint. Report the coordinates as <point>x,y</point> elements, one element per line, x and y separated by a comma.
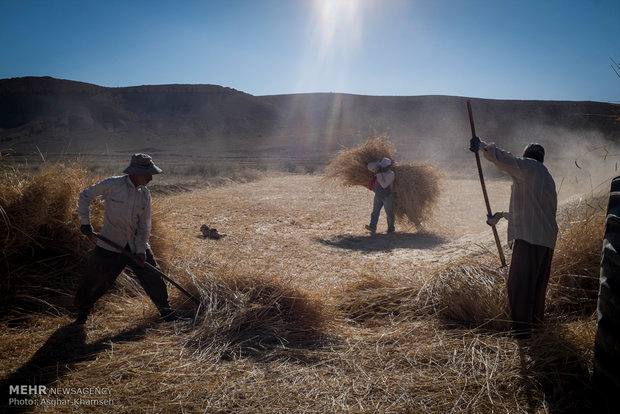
<point>532,229</point>
<point>126,226</point>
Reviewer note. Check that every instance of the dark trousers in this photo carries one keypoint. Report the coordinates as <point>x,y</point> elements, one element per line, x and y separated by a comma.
<point>527,284</point>
<point>102,269</point>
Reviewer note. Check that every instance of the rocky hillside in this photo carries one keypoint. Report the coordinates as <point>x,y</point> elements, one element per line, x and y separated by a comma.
<point>61,116</point>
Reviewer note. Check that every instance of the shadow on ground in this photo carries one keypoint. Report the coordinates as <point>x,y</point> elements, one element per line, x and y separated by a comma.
<point>63,349</point>
<point>308,353</point>
<point>552,364</point>
<point>384,242</point>
<point>555,373</point>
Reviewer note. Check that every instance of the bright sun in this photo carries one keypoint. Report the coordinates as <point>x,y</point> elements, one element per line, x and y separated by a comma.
<point>338,21</point>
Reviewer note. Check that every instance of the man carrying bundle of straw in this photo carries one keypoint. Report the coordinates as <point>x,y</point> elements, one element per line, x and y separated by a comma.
<point>532,229</point>
<point>409,192</point>
<point>384,196</point>
<point>127,222</point>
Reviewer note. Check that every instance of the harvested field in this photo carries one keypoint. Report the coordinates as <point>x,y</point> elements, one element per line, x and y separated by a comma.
<point>303,312</point>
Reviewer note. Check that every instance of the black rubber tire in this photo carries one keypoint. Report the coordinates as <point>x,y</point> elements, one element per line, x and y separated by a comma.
<point>606,371</point>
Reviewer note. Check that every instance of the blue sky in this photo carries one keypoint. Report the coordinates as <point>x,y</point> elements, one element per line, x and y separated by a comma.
<point>493,49</point>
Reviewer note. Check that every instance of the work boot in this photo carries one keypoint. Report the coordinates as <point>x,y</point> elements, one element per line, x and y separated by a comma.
<point>372,230</point>
<point>391,230</point>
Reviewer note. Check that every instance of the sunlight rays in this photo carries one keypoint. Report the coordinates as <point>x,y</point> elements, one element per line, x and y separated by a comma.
<point>334,38</point>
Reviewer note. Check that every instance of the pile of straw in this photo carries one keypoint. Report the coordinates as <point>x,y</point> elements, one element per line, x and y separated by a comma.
<point>371,298</point>
<point>416,186</point>
<point>41,245</point>
<point>42,249</point>
<point>240,314</point>
<point>472,295</point>
<point>416,192</point>
<point>350,166</point>
<point>574,281</point>
<point>467,294</point>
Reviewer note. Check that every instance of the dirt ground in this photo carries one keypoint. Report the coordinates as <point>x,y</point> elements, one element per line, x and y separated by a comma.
<point>312,232</point>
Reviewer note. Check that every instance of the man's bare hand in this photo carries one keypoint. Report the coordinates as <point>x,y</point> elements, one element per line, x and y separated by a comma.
<point>494,219</point>
<point>474,144</point>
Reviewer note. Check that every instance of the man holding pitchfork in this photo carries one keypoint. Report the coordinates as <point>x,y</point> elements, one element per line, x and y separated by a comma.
<point>532,229</point>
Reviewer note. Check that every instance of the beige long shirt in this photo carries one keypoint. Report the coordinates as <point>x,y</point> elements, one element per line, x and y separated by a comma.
<point>385,179</point>
<point>533,197</point>
<point>127,216</point>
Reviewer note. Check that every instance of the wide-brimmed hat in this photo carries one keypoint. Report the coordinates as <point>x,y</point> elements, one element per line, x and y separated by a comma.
<point>142,164</point>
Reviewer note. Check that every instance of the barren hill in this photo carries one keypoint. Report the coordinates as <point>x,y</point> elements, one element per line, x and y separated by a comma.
<point>61,116</point>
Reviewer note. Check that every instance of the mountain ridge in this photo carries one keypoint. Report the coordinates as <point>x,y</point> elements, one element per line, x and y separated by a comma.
<point>63,115</point>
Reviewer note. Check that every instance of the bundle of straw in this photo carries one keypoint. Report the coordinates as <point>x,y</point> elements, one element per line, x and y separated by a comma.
<point>416,192</point>
<point>416,186</point>
<point>42,248</point>
<point>350,166</point>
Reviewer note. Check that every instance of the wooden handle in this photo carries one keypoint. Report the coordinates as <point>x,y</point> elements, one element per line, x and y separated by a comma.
<point>133,258</point>
<point>484,187</point>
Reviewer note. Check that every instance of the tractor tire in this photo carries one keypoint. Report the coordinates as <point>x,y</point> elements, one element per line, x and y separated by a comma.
<point>606,370</point>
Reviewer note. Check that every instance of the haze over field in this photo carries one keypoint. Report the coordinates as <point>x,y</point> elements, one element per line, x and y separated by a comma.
<point>60,116</point>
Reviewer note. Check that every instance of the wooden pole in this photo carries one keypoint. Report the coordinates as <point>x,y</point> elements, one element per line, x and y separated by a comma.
<point>484,187</point>
<point>147,265</point>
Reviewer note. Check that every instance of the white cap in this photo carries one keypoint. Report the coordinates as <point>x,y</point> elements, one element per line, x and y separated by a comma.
<point>384,163</point>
